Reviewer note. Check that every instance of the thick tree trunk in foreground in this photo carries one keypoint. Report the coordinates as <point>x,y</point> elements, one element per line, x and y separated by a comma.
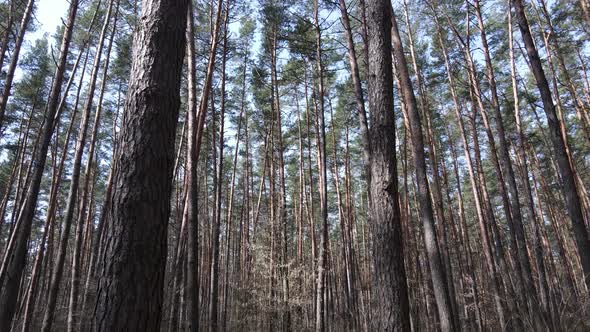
<point>131,284</point>
<point>390,293</point>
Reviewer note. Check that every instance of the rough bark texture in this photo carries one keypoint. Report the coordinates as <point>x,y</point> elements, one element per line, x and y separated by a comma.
<point>131,284</point>
<point>390,294</point>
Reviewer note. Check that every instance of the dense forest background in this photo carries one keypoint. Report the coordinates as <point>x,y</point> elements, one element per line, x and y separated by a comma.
<point>328,165</point>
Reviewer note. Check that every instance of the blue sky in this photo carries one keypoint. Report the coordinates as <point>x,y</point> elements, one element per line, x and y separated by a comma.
<point>47,17</point>
<point>49,14</point>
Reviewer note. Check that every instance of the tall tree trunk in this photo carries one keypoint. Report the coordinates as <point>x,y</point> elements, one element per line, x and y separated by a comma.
<point>14,59</point>
<point>202,113</point>
<point>76,257</point>
<point>192,279</point>
<point>51,215</point>
<point>573,202</point>
<point>311,212</point>
<point>323,185</point>
<point>358,90</point>
<point>578,105</point>
<point>465,237</point>
<point>208,81</point>
<point>214,291</point>
<point>537,313</point>
<point>21,146</point>
<point>390,293</point>
<point>73,191</point>
<point>246,247</point>
<point>52,206</point>
<point>230,203</point>
<point>437,269</point>
<point>521,151</point>
<point>15,260</point>
<point>436,193</point>
<point>134,259</point>
<point>7,31</point>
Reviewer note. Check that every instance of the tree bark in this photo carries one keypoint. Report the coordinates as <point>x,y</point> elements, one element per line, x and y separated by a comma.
<point>87,186</point>
<point>358,90</point>
<point>131,283</point>
<point>15,260</point>
<point>486,246</point>
<point>437,269</point>
<point>216,262</point>
<point>323,185</point>
<point>573,202</point>
<point>192,278</point>
<point>390,293</point>
<point>73,191</point>
<point>51,215</point>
